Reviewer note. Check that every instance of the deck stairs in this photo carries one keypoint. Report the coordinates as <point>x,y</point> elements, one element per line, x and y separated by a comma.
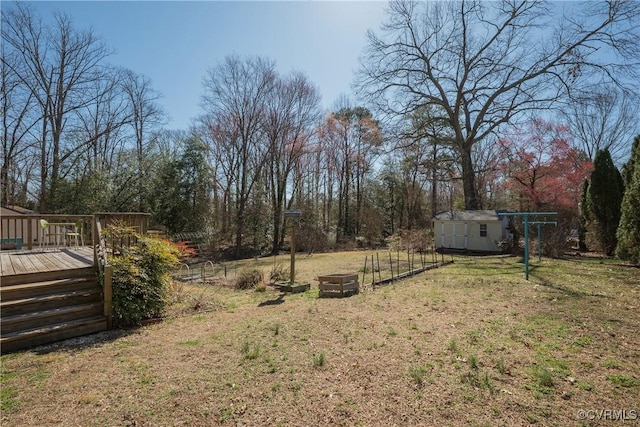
<point>41,308</point>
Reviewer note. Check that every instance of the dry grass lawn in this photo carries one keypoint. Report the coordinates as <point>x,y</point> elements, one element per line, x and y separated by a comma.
<point>470,343</point>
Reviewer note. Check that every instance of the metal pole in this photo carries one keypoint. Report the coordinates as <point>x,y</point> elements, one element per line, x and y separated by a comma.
<point>526,247</point>
<point>539,242</point>
<point>525,216</point>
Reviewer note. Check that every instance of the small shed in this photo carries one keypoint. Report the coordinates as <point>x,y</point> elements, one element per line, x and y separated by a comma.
<point>475,231</point>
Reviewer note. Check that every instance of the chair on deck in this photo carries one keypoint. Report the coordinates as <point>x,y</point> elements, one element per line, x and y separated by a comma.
<point>48,232</point>
<point>76,234</point>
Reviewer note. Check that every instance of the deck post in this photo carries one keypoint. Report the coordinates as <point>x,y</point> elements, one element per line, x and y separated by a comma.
<point>30,233</point>
<point>108,295</point>
<point>94,239</point>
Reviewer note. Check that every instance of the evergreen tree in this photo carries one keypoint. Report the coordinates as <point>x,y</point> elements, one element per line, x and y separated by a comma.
<point>604,198</point>
<point>182,193</point>
<point>629,230</point>
<point>634,160</point>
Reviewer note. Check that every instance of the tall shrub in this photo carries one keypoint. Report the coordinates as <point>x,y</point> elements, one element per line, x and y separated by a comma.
<point>634,162</point>
<point>141,280</point>
<point>604,198</point>
<point>629,229</point>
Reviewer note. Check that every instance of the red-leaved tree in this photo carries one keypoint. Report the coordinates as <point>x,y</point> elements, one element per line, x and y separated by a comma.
<point>542,170</point>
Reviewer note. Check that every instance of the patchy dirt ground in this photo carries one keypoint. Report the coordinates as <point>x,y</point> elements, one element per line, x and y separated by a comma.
<point>468,344</point>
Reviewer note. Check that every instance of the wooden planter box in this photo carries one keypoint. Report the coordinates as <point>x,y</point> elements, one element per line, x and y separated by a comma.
<point>338,284</point>
<point>294,289</point>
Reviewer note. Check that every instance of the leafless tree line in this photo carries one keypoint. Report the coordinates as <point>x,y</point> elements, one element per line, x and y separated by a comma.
<point>481,66</point>
<point>441,82</point>
<point>272,150</point>
<point>66,112</point>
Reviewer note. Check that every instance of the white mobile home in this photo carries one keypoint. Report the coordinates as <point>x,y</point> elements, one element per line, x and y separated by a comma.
<point>475,231</point>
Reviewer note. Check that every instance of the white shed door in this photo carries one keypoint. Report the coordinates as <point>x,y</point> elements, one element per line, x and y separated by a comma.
<point>454,236</point>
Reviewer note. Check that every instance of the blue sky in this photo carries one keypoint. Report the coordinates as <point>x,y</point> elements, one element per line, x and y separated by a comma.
<point>175,42</point>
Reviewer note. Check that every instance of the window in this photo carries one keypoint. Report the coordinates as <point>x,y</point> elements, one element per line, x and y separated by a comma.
<point>483,230</point>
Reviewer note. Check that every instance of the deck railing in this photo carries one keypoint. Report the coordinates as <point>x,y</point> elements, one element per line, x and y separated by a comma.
<point>24,231</point>
<point>105,270</point>
<point>136,222</point>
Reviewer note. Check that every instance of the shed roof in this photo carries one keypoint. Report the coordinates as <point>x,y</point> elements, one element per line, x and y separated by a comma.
<point>15,210</point>
<point>479,215</point>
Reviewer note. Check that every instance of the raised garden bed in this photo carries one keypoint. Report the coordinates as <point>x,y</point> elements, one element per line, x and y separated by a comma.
<point>294,289</point>
<point>339,284</point>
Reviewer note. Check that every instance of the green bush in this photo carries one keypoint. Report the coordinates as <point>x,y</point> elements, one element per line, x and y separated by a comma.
<point>141,281</point>
<point>604,200</point>
<point>629,230</point>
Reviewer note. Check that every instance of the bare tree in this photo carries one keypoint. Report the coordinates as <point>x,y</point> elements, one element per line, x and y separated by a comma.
<point>326,168</point>
<point>353,138</point>
<point>18,123</point>
<point>234,100</point>
<point>58,64</point>
<point>291,112</point>
<point>485,64</point>
<point>145,113</point>
<point>100,124</point>
<point>430,141</point>
<point>604,118</point>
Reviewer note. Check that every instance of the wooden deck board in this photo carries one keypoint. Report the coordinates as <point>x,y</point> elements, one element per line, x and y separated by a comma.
<point>54,259</point>
<point>38,264</point>
<point>5,265</point>
<point>17,266</point>
<point>27,264</point>
<point>49,264</point>
<point>25,261</point>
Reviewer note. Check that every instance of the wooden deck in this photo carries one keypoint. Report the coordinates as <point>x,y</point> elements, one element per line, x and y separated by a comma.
<point>36,261</point>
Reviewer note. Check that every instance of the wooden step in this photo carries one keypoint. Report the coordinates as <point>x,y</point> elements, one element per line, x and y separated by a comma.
<point>52,333</point>
<point>29,290</point>
<point>44,307</point>
<point>16,279</point>
<point>33,320</point>
<point>49,302</point>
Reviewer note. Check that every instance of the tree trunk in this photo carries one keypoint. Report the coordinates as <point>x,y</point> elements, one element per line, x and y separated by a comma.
<point>468,180</point>
<point>277,218</point>
<point>434,183</point>
<point>239,229</point>
<point>44,170</point>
